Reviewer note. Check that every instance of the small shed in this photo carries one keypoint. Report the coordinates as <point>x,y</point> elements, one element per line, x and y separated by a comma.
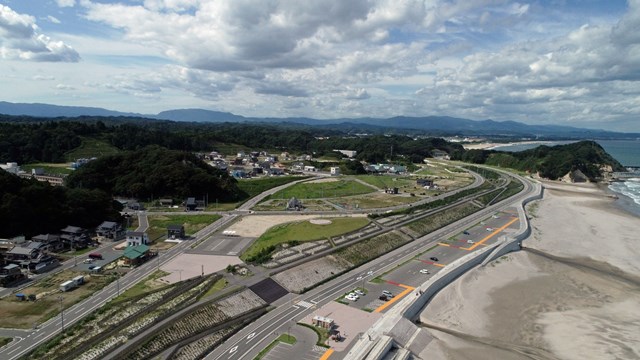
<point>323,322</point>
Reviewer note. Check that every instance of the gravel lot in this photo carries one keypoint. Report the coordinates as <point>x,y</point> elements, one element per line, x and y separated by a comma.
<point>306,275</point>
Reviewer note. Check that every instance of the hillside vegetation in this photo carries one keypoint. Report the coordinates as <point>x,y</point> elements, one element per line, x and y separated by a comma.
<point>30,207</point>
<point>551,162</point>
<point>156,172</point>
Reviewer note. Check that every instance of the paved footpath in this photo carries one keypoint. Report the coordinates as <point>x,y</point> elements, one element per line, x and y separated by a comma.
<point>304,349</point>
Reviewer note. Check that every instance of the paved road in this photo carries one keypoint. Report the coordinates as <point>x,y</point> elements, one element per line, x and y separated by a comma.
<point>21,346</point>
<point>248,342</point>
<point>47,330</point>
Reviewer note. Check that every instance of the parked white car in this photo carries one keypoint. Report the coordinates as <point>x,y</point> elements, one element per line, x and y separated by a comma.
<point>352,297</point>
<point>469,241</point>
<point>359,292</point>
<point>424,271</point>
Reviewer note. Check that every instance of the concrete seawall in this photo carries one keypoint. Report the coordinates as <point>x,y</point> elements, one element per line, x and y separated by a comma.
<point>410,307</point>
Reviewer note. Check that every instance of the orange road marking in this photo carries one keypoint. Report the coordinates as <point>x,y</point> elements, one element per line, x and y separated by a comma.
<point>407,289</point>
<point>326,354</point>
<point>443,244</point>
<point>490,235</point>
<point>431,263</point>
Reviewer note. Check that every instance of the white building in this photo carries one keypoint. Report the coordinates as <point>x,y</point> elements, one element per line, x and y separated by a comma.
<point>335,171</point>
<point>135,238</point>
<point>11,167</point>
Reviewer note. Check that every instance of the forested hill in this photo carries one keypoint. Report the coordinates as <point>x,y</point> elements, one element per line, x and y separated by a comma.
<point>29,207</point>
<point>551,162</point>
<point>155,172</point>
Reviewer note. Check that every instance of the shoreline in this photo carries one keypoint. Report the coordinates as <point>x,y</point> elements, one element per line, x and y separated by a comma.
<point>574,296</point>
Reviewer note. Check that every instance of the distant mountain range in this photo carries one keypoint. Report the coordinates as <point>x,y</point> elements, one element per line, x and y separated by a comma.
<point>432,125</point>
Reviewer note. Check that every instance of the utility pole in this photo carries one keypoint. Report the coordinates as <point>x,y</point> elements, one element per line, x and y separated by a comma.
<point>60,298</point>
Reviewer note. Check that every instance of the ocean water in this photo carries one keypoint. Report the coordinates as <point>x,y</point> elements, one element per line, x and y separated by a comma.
<point>627,152</point>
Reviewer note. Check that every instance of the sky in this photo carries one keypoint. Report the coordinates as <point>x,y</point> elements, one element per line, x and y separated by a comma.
<point>559,62</point>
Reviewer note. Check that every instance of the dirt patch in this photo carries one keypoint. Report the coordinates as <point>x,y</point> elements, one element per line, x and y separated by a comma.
<point>186,266</point>
<point>320,221</point>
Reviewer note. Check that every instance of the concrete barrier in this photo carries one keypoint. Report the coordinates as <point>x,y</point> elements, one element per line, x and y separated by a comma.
<point>410,306</point>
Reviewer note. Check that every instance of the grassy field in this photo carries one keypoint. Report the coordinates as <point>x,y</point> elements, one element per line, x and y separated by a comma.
<point>91,148</point>
<point>149,284</point>
<point>49,168</point>
<point>303,231</point>
<point>4,341</point>
<point>330,189</point>
<point>257,186</point>
<point>24,314</point>
<point>192,224</point>
<point>387,181</point>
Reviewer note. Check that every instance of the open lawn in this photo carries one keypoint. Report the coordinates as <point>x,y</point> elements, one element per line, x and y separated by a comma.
<point>91,148</point>
<point>149,284</point>
<point>25,314</point>
<point>192,224</point>
<point>49,168</point>
<point>387,181</point>
<point>303,231</point>
<point>332,189</point>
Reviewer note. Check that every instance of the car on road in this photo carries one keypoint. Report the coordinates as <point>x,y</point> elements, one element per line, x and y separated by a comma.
<point>433,258</point>
<point>95,256</point>
<point>91,267</point>
<point>469,241</point>
<point>359,278</point>
<point>489,229</point>
<point>424,271</point>
<point>465,232</point>
<point>359,292</point>
<point>370,273</point>
<point>88,261</point>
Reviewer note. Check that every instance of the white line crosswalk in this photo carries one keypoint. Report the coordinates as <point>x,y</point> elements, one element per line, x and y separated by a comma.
<point>304,304</point>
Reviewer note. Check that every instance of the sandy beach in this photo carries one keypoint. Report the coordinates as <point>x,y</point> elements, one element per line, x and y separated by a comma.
<point>574,294</point>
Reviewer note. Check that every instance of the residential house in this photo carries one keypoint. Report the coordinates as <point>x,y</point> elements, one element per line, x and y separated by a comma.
<point>276,171</point>
<point>166,202</point>
<point>439,154</point>
<point>136,255</point>
<point>190,204</point>
<point>135,206</point>
<point>175,231</point>
<point>52,241</point>
<point>424,182</point>
<point>239,173</point>
<point>135,238</point>
<point>348,153</point>
<point>110,230</point>
<point>74,237</point>
<point>11,167</point>
<point>310,168</point>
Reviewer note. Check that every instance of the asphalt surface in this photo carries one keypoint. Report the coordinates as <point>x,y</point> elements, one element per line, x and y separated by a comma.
<point>47,330</point>
<point>249,341</point>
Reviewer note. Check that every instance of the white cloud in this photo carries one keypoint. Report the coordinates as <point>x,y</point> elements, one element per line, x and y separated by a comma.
<point>65,87</point>
<point>66,3</point>
<point>53,19</point>
<point>20,39</point>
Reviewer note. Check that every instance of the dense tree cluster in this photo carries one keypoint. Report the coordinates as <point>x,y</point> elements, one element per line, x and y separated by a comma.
<point>30,207</point>
<point>551,162</point>
<point>154,171</point>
